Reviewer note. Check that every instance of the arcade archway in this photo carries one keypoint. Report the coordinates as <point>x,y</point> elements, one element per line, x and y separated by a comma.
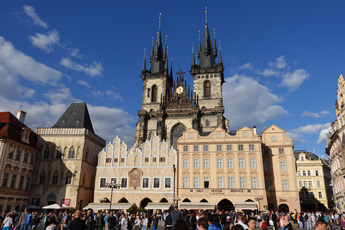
<point>225,205</point>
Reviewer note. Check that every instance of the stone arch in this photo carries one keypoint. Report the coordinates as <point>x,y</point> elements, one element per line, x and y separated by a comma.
<point>186,200</point>
<point>249,200</point>
<point>176,132</point>
<point>207,88</point>
<point>283,208</point>
<point>42,177</point>
<point>71,153</point>
<point>144,202</point>
<point>203,201</point>
<point>226,205</point>
<point>163,200</point>
<point>123,200</point>
<point>154,93</point>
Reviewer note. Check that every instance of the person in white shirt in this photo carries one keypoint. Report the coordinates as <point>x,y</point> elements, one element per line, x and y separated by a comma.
<point>7,224</point>
<point>240,222</point>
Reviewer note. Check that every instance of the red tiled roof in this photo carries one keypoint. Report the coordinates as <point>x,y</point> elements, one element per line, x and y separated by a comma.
<point>10,127</point>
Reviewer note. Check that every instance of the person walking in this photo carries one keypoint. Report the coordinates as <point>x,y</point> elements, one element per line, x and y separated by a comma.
<point>77,223</point>
<point>176,215</point>
<point>137,223</point>
<point>7,223</point>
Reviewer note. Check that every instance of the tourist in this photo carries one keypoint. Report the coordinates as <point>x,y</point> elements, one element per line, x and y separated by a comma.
<point>240,222</point>
<point>22,219</point>
<point>263,224</point>
<point>111,221</point>
<point>144,223</point>
<point>181,224</point>
<point>251,223</point>
<point>77,223</point>
<point>155,222</point>
<point>320,224</point>
<point>7,223</point>
<point>176,215</point>
<point>137,223</point>
<point>52,223</point>
<point>202,224</point>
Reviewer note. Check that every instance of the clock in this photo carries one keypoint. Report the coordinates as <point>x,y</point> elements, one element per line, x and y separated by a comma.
<point>179,90</point>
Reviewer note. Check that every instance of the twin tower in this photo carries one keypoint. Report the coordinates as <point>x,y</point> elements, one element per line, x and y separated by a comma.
<point>170,106</point>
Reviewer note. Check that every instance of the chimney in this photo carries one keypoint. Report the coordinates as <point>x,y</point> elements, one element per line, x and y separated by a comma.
<point>254,130</point>
<point>21,116</point>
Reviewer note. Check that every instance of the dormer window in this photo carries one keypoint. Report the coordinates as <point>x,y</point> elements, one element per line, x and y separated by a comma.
<point>302,158</point>
<point>25,134</point>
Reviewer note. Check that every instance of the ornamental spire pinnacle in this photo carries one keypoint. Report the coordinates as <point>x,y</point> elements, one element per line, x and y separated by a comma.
<point>144,63</point>
<point>206,58</point>
<point>220,60</point>
<point>193,57</point>
<point>158,55</point>
<point>214,43</point>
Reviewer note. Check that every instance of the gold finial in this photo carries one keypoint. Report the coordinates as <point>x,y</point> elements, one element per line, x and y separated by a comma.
<point>206,14</point>
<point>160,17</point>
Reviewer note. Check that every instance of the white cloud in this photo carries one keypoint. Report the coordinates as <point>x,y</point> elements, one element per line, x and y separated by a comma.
<point>249,103</point>
<point>247,66</point>
<point>310,129</point>
<point>94,69</point>
<point>84,83</point>
<point>297,138</point>
<point>45,42</point>
<point>19,64</point>
<point>270,72</point>
<point>295,79</point>
<point>57,96</point>
<point>30,11</point>
<point>108,93</point>
<point>323,134</point>
<point>315,115</point>
<point>279,63</point>
<point>107,122</point>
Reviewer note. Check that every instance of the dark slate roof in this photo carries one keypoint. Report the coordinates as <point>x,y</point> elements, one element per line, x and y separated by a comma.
<point>76,116</point>
<point>308,155</point>
<point>11,127</point>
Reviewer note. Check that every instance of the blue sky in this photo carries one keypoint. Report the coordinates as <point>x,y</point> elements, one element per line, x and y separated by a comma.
<point>281,58</point>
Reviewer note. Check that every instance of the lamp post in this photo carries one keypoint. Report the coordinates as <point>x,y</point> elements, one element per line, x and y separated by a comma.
<point>174,167</point>
<point>258,199</point>
<point>112,186</point>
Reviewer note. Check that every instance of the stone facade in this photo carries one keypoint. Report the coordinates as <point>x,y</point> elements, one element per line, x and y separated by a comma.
<point>169,107</point>
<point>66,166</point>
<point>229,170</point>
<point>314,179</point>
<point>18,151</point>
<point>335,148</point>
<point>144,174</point>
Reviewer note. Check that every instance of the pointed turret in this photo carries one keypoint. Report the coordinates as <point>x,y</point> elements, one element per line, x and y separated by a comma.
<point>151,56</point>
<point>166,66</point>
<point>143,71</point>
<point>199,47</point>
<point>193,57</point>
<point>214,44</point>
<point>158,56</point>
<point>220,60</point>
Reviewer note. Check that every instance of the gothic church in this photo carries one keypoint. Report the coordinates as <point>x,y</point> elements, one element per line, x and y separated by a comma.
<point>169,107</point>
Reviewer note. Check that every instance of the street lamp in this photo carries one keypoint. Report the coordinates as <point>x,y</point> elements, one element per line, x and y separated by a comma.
<point>258,199</point>
<point>174,199</point>
<point>112,186</point>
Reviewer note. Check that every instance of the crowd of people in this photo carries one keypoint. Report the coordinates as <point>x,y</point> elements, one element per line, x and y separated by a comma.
<point>169,220</point>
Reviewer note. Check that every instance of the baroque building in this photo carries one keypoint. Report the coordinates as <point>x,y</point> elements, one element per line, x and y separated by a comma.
<point>145,175</point>
<point>170,107</point>
<point>66,166</point>
<point>238,170</point>
<point>335,148</point>
<point>18,151</point>
<point>314,182</point>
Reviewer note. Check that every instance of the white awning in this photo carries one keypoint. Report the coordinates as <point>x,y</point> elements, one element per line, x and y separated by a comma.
<point>52,206</point>
<point>106,206</point>
<point>162,206</point>
<point>245,206</point>
<point>197,206</point>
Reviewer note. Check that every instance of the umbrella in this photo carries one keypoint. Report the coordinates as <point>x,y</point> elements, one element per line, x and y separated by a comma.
<point>52,206</point>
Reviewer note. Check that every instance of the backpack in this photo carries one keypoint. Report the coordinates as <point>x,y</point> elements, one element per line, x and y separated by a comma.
<point>28,220</point>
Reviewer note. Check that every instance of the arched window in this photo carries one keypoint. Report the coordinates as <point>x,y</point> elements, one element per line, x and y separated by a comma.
<point>68,178</point>
<point>71,153</point>
<point>207,123</point>
<point>42,177</point>
<point>308,172</point>
<point>46,153</point>
<point>55,177</point>
<point>304,174</point>
<point>207,89</point>
<point>58,153</point>
<point>154,94</point>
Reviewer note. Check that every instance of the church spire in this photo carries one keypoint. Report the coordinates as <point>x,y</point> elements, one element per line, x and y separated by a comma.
<point>206,55</point>
<point>199,47</point>
<point>214,43</point>
<point>151,56</point>
<point>158,56</point>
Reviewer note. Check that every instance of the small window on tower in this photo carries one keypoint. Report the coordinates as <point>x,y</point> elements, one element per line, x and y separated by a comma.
<point>207,123</point>
<point>154,94</point>
<point>207,89</point>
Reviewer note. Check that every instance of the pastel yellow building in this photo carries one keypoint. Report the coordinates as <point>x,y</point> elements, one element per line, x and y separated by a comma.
<point>314,179</point>
<point>237,170</point>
